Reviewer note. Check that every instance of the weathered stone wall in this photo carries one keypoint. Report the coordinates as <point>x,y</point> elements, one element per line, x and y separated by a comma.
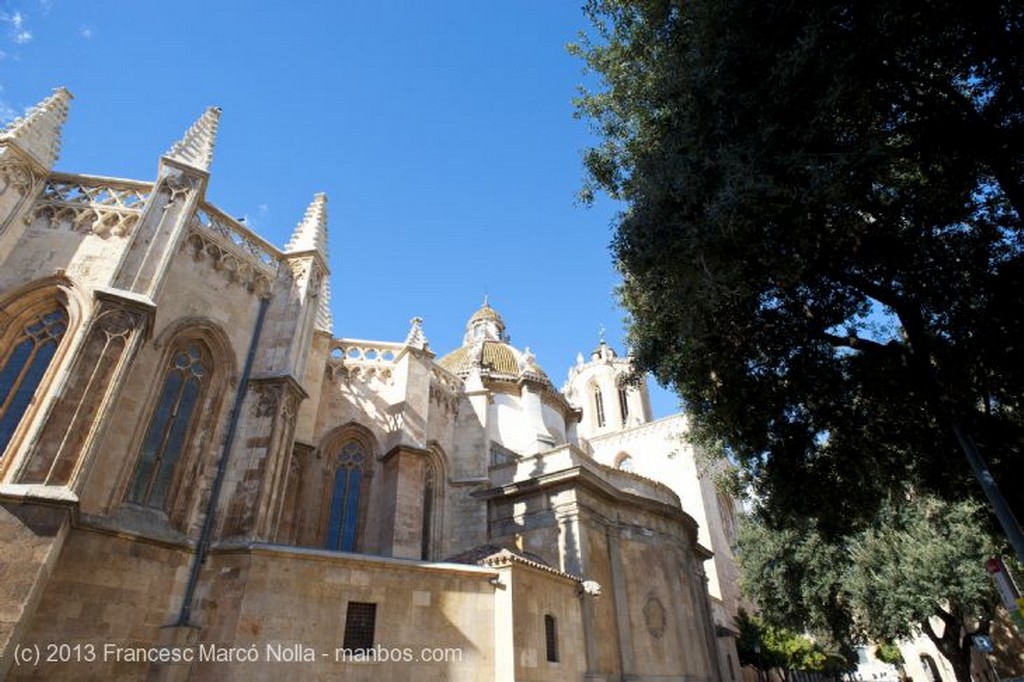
<point>446,610</point>
<point>536,594</point>
<point>112,596</point>
<point>32,537</point>
<point>104,591</point>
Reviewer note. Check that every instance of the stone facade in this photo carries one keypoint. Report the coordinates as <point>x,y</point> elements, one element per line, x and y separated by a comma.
<point>621,434</point>
<point>198,480</point>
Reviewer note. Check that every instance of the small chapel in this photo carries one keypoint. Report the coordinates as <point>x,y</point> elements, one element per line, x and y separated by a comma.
<point>200,481</point>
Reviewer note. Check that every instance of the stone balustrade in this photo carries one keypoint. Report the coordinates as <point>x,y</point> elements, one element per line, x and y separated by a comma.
<point>88,203</point>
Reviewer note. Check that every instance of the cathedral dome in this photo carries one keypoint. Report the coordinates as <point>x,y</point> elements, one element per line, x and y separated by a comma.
<point>486,312</point>
<point>497,357</point>
<point>485,347</point>
<point>523,412</point>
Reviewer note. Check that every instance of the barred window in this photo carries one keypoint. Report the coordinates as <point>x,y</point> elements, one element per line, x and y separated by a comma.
<point>24,366</point>
<point>348,480</point>
<point>360,622</point>
<point>624,404</point>
<point>551,637</point>
<point>599,406</point>
<point>169,426</point>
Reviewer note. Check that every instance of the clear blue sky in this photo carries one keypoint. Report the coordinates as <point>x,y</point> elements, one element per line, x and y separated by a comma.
<point>442,133</point>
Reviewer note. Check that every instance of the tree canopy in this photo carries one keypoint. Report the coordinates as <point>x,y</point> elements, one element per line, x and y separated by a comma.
<point>920,560</point>
<point>821,248</point>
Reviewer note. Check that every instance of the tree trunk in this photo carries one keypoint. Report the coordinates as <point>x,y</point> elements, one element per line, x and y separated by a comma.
<point>955,649</point>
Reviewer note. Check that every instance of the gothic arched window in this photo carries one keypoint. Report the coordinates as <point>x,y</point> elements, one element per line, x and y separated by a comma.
<point>348,483</point>
<point>24,366</point>
<point>168,430</point>
<point>624,404</point>
<point>599,406</point>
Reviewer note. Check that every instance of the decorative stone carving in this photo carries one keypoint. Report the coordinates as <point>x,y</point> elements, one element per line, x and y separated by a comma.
<point>102,207</point>
<point>233,250</point>
<point>654,616</point>
<point>589,588</point>
<point>18,177</point>
<point>237,268</point>
<point>118,323</point>
<point>178,185</point>
<point>267,397</point>
<point>416,338</point>
<point>444,389</point>
<point>362,360</point>
<point>308,274</point>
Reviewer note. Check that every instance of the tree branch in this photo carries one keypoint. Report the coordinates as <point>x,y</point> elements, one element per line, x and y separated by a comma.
<point>857,343</point>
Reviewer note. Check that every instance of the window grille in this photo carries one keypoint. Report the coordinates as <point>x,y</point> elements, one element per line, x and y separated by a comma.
<point>360,622</point>
<point>551,638</point>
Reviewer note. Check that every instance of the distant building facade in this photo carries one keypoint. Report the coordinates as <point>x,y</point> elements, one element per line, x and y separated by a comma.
<point>198,480</point>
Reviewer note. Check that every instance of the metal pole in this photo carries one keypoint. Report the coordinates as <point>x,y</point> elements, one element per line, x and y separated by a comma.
<point>995,498</point>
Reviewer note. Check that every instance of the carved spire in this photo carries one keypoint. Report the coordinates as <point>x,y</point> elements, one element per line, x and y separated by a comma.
<point>38,131</point>
<point>324,319</point>
<point>311,233</point>
<point>196,147</point>
<point>416,338</point>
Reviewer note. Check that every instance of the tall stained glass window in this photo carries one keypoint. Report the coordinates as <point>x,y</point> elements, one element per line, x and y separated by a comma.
<point>348,480</point>
<point>24,365</point>
<point>168,428</point>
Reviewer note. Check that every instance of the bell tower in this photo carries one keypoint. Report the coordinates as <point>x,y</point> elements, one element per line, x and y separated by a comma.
<point>601,388</point>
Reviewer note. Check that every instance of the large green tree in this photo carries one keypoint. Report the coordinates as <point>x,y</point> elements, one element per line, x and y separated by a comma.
<point>821,248</point>
<point>921,560</point>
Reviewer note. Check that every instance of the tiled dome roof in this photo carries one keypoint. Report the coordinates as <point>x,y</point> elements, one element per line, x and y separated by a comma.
<point>498,357</point>
<point>486,312</point>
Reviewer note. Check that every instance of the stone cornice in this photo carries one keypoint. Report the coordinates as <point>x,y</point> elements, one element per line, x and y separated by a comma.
<point>584,477</point>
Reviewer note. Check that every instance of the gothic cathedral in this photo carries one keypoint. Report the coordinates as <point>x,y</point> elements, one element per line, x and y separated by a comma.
<point>198,480</point>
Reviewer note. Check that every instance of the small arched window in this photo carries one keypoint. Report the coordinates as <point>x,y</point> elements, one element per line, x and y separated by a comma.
<point>169,427</point>
<point>599,406</point>
<point>348,483</point>
<point>624,404</point>
<point>24,366</point>
<point>551,638</point>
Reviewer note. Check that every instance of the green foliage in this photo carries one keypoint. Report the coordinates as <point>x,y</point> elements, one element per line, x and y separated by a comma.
<point>919,559</point>
<point>822,248</point>
<point>766,646</point>
<point>888,652</point>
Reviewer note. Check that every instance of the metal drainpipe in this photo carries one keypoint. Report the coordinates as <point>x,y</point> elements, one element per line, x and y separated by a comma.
<point>203,545</point>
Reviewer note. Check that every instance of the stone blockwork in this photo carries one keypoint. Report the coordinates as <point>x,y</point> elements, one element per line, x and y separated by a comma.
<point>199,481</point>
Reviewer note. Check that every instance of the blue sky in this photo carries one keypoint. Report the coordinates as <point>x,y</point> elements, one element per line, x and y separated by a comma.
<point>442,133</point>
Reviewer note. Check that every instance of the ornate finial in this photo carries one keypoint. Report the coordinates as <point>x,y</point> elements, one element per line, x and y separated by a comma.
<point>528,362</point>
<point>600,333</point>
<point>196,147</point>
<point>415,338</point>
<point>311,233</point>
<point>38,131</point>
